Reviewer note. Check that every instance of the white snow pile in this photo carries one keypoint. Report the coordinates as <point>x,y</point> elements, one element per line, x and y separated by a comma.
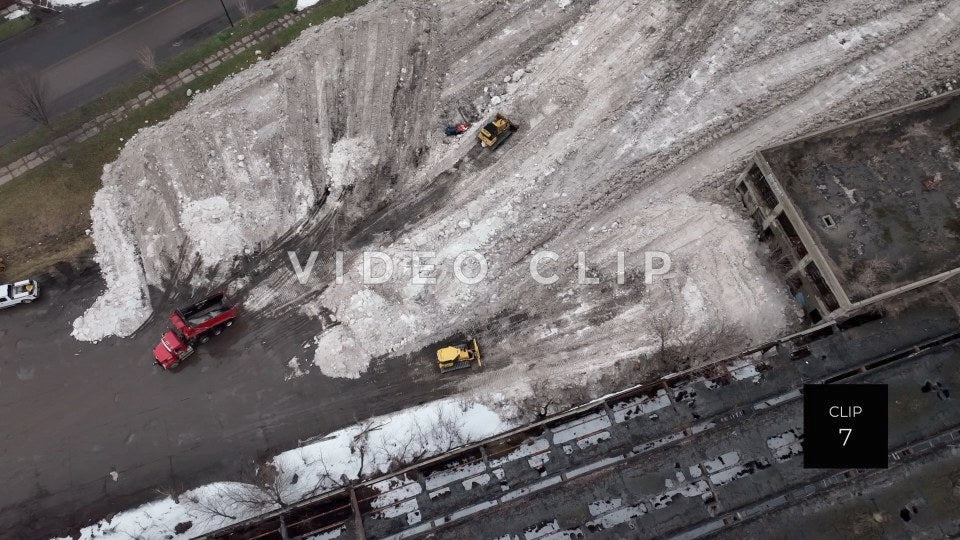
<point>338,354</point>
<point>715,279</point>
<point>347,158</point>
<point>125,304</point>
<point>422,431</point>
<point>347,349</point>
<point>368,448</point>
<point>16,14</point>
<point>304,4</point>
<point>182,212</point>
<point>74,3</point>
<point>216,226</point>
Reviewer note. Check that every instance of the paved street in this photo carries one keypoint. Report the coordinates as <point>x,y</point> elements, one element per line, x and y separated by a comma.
<point>85,52</point>
<point>74,412</point>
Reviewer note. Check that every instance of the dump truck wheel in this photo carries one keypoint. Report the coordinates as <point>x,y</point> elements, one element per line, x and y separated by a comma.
<point>228,323</point>
<point>218,331</point>
<point>175,365</point>
<point>204,339</point>
<point>27,301</point>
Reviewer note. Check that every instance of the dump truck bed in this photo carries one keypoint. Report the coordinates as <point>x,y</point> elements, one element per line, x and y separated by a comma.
<point>204,315</point>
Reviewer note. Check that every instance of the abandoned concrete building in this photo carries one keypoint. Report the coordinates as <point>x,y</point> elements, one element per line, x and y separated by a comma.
<point>865,211</point>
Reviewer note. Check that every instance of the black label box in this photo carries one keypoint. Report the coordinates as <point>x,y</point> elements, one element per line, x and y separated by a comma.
<point>845,426</point>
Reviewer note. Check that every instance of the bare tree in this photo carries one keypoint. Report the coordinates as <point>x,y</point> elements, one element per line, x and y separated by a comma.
<point>405,448</point>
<point>443,433</point>
<point>326,478</point>
<point>448,431</point>
<point>547,397</point>
<point>28,94</point>
<point>666,327</point>
<point>679,349</point>
<point>248,498</point>
<point>543,400</point>
<point>277,483</point>
<point>215,506</point>
<point>360,444</point>
<point>270,488</point>
<point>146,58</point>
<point>173,489</point>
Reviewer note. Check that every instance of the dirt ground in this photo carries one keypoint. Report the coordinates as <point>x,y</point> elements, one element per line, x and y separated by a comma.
<point>634,119</point>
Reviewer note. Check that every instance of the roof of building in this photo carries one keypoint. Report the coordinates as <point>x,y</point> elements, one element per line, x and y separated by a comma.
<point>881,196</point>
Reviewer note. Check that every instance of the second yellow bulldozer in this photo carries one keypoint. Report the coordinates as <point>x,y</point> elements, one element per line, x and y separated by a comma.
<point>496,131</point>
<point>454,357</point>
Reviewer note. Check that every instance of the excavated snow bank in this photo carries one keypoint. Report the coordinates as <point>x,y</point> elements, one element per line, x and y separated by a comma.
<point>125,304</point>
<point>716,280</point>
<point>220,179</point>
<point>218,228</point>
<point>624,115</point>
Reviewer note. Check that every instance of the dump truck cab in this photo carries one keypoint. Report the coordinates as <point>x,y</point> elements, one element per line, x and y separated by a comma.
<point>172,350</point>
<point>192,325</point>
<point>461,356</point>
<point>496,131</point>
<point>21,292</point>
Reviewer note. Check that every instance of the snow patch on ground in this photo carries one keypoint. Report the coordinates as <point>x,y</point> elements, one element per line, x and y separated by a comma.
<point>295,371</point>
<point>158,519</point>
<point>74,3</point>
<point>426,430</point>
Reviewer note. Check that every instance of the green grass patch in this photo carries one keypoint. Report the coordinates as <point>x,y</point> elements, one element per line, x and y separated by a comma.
<point>45,212</point>
<point>10,28</point>
<point>337,8</point>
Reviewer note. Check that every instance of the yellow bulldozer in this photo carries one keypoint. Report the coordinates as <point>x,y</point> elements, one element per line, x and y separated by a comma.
<point>496,131</point>
<point>463,355</point>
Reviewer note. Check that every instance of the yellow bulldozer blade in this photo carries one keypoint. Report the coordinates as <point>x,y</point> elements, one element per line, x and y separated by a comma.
<point>454,357</point>
<point>495,132</point>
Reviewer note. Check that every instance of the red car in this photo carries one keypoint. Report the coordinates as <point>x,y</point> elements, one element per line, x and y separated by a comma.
<point>193,325</point>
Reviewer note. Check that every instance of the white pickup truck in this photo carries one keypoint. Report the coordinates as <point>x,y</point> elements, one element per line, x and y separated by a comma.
<point>21,292</point>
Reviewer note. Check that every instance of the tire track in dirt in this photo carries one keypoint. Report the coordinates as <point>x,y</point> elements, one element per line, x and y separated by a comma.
<point>792,118</point>
<point>625,110</point>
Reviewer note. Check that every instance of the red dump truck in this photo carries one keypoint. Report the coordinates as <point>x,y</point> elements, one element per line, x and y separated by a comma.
<point>193,325</point>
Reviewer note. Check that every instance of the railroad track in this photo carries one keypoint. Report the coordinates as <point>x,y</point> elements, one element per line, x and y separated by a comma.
<point>333,511</point>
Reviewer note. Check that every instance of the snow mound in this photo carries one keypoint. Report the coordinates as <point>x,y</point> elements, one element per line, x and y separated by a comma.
<point>337,354</point>
<point>216,227</point>
<point>125,305</point>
